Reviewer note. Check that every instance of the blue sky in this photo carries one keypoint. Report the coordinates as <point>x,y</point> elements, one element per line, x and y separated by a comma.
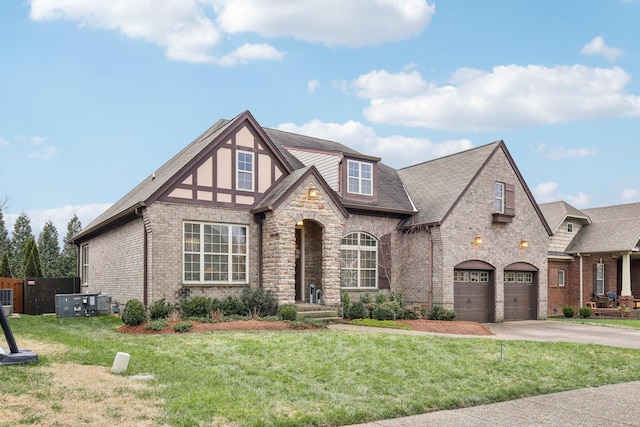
<point>96,95</point>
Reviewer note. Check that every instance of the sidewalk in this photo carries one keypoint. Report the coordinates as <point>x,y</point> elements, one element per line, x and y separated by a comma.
<point>611,405</point>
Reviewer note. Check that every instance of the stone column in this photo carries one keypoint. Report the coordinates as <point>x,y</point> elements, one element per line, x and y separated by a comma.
<point>626,298</point>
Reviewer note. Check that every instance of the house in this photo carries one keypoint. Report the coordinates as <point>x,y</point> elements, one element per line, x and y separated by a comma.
<point>592,253</point>
<point>247,206</point>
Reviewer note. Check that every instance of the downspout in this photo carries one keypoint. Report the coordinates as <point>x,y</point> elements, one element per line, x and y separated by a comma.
<point>581,282</point>
<point>260,234</point>
<point>145,259</point>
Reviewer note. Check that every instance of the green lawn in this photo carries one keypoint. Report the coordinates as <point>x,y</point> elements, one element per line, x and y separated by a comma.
<point>619,323</point>
<point>317,377</point>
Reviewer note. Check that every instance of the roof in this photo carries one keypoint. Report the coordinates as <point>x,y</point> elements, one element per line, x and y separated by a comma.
<point>612,229</point>
<point>556,212</point>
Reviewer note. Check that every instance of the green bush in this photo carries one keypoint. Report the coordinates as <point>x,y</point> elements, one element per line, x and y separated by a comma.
<point>259,302</point>
<point>411,313</point>
<point>230,306</point>
<point>440,313</point>
<point>568,311</point>
<point>157,325</point>
<point>346,304</point>
<point>288,312</point>
<point>366,298</point>
<point>358,311</point>
<point>134,313</point>
<point>381,298</point>
<point>383,312</point>
<point>182,326</point>
<point>197,306</point>
<point>159,309</point>
<point>585,312</point>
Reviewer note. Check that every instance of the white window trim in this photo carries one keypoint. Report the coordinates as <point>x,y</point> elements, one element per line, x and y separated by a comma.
<point>569,227</point>
<point>600,267</point>
<point>84,253</point>
<point>251,172</point>
<point>561,278</point>
<point>359,269</point>
<point>359,178</point>
<point>229,255</point>
<point>501,199</point>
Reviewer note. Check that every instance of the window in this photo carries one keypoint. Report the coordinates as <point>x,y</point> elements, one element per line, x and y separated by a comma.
<point>215,253</point>
<point>518,277</point>
<point>85,264</point>
<point>359,261</point>
<point>499,197</point>
<point>600,279</point>
<point>560,278</point>
<point>360,177</point>
<point>462,276</point>
<point>569,227</point>
<point>244,170</point>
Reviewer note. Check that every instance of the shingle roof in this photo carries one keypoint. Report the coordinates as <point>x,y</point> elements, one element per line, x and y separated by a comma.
<point>436,185</point>
<point>556,212</point>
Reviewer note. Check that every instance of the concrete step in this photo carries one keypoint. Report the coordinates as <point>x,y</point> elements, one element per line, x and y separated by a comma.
<point>318,312</point>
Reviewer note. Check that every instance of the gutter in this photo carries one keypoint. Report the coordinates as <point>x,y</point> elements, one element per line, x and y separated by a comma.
<point>581,281</point>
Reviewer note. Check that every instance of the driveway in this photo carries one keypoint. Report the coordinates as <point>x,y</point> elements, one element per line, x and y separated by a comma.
<point>549,330</point>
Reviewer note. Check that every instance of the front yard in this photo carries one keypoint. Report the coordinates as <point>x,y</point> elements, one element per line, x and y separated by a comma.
<point>278,378</point>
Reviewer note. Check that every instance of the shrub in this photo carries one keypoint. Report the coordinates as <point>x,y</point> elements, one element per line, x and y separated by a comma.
<point>366,298</point>
<point>157,325</point>
<point>197,306</point>
<point>383,312</point>
<point>134,313</point>
<point>395,306</point>
<point>159,309</point>
<point>346,304</point>
<point>358,311</point>
<point>182,326</point>
<point>259,302</point>
<point>398,297</point>
<point>585,312</point>
<point>230,306</point>
<point>440,313</point>
<point>412,313</point>
<point>568,311</point>
<point>288,312</point>
<point>381,298</point>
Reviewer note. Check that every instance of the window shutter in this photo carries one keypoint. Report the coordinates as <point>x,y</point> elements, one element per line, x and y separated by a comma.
<point>509,199</point>
<point>384,262</point>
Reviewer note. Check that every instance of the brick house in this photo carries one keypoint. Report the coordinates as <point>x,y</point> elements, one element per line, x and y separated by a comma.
<point>593,252</point>
<point>247,206</point>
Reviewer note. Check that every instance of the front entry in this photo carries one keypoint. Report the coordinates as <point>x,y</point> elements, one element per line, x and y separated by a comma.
<point>308,262</point>
<point>299,265</point>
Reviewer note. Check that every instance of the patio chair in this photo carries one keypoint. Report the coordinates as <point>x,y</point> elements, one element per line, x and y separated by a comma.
<point>602,301</point>
<point>614,299</point>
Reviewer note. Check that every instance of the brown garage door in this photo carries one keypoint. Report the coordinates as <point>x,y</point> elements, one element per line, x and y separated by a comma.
<point>472,295</point>
<point>519,296</point>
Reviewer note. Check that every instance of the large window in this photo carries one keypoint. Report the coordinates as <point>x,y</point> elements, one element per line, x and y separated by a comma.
<point>499,197</point>
<point>215,253</point>
<point>359,261</point>
<point>360,177</point>
<point>244,171</point>
<point>600,279</point>
<point>84,257</point>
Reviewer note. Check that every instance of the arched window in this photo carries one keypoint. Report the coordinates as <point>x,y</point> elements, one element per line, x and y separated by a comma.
<point>359,261</point>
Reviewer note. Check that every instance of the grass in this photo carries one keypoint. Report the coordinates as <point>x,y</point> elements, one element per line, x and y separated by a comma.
<point>318,377</point>
<point>620,323</point>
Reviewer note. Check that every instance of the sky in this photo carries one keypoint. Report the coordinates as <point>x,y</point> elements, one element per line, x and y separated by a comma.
<point>96,95</point>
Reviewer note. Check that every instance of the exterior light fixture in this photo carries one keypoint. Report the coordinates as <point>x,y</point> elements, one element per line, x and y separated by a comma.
<point>300,223</point>
<point>313,192</point>
<point>477,241</point>
<point>524,244</point>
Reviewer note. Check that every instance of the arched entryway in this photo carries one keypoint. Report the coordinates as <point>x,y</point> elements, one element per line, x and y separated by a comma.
<point>308,262</point>
<point>520,292</point>
<point>473,284</point>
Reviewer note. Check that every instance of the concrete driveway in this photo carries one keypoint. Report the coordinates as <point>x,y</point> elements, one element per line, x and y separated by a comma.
<point>553,331</point>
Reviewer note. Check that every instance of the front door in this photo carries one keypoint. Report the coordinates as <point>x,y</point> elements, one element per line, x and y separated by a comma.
<point>299,266</point>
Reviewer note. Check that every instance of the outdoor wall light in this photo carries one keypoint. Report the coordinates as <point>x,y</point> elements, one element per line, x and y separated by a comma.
<point>477,241</point>
<point>313,192</point>
<point>524,244</point>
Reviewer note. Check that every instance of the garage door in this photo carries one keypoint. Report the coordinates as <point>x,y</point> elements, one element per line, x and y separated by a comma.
<point>472,295</point>
<point>519,295</point>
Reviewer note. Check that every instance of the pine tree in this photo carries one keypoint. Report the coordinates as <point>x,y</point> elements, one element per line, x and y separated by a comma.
<point>31,260</point>
<point>69,257</point>
<point>5,242</point>
<point>21,234</point>
<point>49,250</point>
<point>5,271</point>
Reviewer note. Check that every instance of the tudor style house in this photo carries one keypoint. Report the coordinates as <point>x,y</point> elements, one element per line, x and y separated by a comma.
<point>246,206</point>
<point>594,255</point>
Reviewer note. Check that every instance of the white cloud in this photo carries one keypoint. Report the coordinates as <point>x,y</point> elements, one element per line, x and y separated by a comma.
<point>597,46</point>
<point>37,140</point>
<point>548,192</point>
<point>45,153</point>
<point>396,151</point>
<point>189,30</point>
<point>557,153</point>
<point>3,142</point>
<point>629,195</point>
<point>331,22</point>
<point>250,52</point>
<point>312,85</point>
<point>59,216</point>
<point>508,97</point>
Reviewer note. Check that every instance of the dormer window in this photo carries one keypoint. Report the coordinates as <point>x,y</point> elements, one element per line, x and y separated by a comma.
<point>569,227</point>
<point>360,177</point>
<point>244,170</point>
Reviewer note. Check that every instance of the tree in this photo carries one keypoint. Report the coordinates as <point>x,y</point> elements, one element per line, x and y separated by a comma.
<point>31,259</point>
<point>49,250</point>
<point>5,271</point>
<point>21,234</point>
<point>5,242</point>
<point>69,257</point>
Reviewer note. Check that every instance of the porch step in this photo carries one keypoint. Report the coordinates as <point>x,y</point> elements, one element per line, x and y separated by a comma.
<point>319,313</point>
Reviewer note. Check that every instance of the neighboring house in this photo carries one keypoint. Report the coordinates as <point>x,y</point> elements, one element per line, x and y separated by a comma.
<point>593,252</point>
<point>245,206</point>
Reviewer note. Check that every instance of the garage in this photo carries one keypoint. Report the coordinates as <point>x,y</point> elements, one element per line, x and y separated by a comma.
<point>472,295</point>
<point>520,292</point>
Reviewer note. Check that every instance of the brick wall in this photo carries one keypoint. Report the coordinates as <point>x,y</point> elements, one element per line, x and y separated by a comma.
<point>559,295</point>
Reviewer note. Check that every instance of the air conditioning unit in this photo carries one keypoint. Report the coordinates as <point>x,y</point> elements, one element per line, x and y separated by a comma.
<point>6,300</point>
<point>76,305</point>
